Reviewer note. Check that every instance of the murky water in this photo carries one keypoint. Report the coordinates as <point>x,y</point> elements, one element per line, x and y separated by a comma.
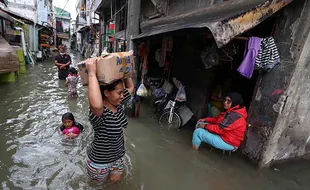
<point>33,155</point>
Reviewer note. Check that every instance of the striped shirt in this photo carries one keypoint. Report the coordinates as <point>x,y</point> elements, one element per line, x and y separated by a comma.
<point>108,144</point>
<point>268,56</point>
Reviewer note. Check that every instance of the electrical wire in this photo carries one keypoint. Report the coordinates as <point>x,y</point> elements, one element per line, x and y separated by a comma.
<point>64,8</point>
<point>118,11</point>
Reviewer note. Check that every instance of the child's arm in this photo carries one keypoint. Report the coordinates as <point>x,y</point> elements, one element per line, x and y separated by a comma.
<point>56,63</point>
<point>66,83</point>
<point>71,135</point>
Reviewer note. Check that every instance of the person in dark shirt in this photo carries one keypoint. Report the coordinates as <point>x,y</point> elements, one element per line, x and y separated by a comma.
<point>62,61</point>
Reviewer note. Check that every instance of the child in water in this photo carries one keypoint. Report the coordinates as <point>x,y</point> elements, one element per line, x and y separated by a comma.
<point>70,128</point>
<point>71,82</point>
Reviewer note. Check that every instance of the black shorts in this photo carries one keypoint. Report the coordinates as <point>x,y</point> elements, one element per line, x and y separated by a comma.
<point>62,74</point>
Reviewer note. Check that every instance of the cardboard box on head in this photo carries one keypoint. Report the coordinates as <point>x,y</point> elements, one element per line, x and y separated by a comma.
<point>110,68</point>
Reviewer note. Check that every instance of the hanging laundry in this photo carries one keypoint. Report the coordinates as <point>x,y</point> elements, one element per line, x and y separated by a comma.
<point>143,52</point>
<point>163,51</point>
<point>268,56</point>
<point>168,57</point>
<point>170,44</point>
<point>142,49</point>
<point>246,68</point>
<point>157,55</point>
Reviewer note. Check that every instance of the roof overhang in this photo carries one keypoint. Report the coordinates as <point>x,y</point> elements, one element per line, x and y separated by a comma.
<point>16,15</point>
<point>225,21</point>
<point>100,4</point>
<point>6,16</point>
<point>82,28</point>
<point>121,35</point>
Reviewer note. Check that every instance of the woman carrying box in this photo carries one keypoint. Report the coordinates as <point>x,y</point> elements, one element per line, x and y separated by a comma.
<point>105,156</point>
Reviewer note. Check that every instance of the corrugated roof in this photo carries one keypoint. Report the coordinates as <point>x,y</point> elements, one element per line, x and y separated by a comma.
<point>225,20</point>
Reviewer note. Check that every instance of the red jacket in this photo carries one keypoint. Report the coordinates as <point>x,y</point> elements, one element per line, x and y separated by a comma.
<point>229,125</point>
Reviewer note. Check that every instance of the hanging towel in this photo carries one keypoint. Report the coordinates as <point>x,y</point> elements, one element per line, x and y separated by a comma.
<point>163,51</point>
<point>170,44</point>
<point>268,56</point>
<point>247,66</point>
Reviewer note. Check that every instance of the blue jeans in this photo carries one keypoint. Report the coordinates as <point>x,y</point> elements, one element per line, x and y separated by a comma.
<point>202,135</point>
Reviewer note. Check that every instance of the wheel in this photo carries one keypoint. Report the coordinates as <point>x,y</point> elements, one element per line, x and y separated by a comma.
<point>176,121</point>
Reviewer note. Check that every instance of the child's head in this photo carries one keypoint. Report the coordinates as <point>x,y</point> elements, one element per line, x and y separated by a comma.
<point>67,120</point>
<point>73,71</point>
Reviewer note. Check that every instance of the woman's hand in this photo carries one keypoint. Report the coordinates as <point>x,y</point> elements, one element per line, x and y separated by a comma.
<point>94,93</point>
<point>91,66</point>
<point>129,85</point>
<point>201,125</point>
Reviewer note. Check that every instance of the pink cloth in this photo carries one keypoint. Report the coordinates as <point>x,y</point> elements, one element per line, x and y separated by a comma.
<point>73,129</point>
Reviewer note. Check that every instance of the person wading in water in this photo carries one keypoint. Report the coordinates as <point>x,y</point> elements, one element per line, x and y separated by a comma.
<point>105,157</point>
<point>62,61</point>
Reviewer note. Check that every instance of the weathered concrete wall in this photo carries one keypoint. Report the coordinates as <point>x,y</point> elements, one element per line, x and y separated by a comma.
<point>147,9</point>
<point>173,7</point>
<point>291,137</point>
<point>177,7</point>
<point>271,93</point>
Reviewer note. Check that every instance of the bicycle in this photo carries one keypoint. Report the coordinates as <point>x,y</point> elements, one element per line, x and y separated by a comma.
<point>170,114</point>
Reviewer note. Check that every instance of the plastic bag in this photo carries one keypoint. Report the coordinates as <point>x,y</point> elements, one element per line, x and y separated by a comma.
<point>158,92</point>
<point>104,52</point>
<point>167,87</point>
<point>209,56</point>
<point>142,91</point>
<point>181,95</point>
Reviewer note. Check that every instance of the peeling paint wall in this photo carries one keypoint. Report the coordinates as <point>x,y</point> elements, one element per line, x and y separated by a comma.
<point>271,97</point>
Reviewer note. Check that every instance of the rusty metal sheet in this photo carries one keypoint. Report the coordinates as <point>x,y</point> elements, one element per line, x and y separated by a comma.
<point>225,20</point>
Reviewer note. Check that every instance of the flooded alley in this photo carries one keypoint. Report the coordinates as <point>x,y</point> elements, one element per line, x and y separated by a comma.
<point>33,155</point>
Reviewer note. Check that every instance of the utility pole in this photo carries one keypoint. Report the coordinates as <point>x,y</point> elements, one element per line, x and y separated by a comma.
<point>102,31</point>
<point>133,27</point>
<point>53,22</point>
<point>133,21</point>
<point>34,26</point>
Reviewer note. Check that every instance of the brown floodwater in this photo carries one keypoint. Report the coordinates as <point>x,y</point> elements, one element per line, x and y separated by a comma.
<point>34,156</point>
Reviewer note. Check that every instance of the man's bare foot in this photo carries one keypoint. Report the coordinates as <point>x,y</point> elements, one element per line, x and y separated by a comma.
<point>195,147</point>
